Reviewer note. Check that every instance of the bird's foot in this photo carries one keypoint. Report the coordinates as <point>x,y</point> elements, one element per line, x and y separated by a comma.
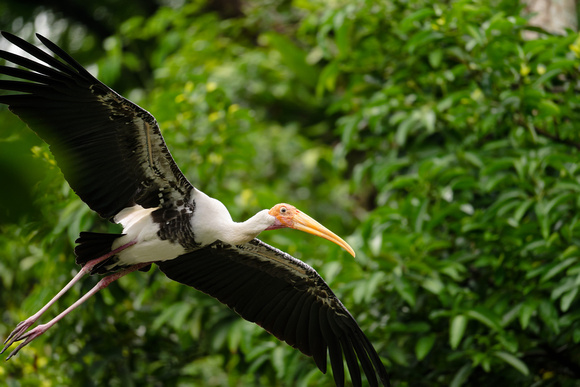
<point>17,332</point>
<point>20,334</point>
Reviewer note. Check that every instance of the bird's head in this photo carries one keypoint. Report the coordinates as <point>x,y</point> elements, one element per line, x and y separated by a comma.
<point>287,215</point>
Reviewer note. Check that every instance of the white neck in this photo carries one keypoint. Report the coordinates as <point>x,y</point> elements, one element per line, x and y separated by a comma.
<point>243,232</point>
<point>212,221</point>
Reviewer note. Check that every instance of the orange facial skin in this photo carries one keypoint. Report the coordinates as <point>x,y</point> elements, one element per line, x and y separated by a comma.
<point>289,216</point>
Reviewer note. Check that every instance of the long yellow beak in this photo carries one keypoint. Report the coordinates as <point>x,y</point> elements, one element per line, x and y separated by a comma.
<point>303,222</point>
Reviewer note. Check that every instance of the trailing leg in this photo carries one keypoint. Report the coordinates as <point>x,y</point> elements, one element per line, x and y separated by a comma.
<point>16,334</point>
<point>40,329</point>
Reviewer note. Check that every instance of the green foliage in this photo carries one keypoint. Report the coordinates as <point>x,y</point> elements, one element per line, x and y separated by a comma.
<point>444,143</point>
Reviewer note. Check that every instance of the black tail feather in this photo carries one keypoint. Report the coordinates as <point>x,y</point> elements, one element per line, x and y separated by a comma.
<point>92,245</point>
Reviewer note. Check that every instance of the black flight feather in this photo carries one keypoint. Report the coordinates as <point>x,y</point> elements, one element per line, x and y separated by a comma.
<point>110,150</point>
<point>288,299</point>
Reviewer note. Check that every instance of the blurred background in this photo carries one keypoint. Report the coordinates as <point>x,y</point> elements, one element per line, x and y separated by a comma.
<point>440,138</point>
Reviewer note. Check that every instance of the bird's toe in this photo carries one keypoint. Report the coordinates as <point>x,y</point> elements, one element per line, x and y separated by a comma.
<point>16,335</point>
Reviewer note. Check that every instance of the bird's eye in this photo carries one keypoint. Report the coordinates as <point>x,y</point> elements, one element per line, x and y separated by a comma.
<point>283,210</point>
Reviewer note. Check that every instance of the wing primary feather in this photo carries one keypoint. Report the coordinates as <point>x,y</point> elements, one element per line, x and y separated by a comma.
<point>25,87</point>
<point>34,66</point>
<point>38,53</point>
<point>23,74</point>
<point>367,355</point>
<point>318,344</point>
<point>366,351</point>
<point>344,336</point>
<point>375,359</point>
<point>363,356</point>
<point>352,362</point>
<point>334,349</point>
<point>65,56</point>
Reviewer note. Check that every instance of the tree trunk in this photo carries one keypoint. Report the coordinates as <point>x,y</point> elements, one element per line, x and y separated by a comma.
<point>554,16</point>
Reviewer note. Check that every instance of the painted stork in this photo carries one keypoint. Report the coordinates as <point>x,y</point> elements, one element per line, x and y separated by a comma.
<point>113,156</point>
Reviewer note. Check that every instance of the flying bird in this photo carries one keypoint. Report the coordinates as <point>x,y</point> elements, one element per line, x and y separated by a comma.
<point>112,154</point>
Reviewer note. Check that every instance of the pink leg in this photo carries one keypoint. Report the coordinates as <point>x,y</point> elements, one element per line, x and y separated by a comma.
<point>40,329</point>
<point>24,325</point>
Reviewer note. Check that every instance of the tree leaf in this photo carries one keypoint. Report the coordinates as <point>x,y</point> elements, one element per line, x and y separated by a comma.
<point>513,361</point>
<point>486,317</point>
<point>461,376</point>
<point>424,345</point>
<point>558,268</point>
<point>457,329</point>
<point>567,299</point>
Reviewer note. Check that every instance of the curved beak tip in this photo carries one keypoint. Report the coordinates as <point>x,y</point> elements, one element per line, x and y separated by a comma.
<point>351,251</point>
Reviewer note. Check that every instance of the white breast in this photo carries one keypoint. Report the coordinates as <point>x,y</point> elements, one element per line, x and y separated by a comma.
<point>211,220</point>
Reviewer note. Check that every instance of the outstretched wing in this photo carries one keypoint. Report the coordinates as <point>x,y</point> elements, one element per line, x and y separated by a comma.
<point>109,149</point>
<point>286,297</point>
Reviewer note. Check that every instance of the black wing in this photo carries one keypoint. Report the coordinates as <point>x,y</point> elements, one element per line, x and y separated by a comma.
<point>286,297</point>
<point>110,150</point>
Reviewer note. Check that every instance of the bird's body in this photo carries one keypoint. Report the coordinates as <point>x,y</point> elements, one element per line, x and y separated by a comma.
<point>113,155</point>
<point>139,225</point>
<point>209,217</point>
